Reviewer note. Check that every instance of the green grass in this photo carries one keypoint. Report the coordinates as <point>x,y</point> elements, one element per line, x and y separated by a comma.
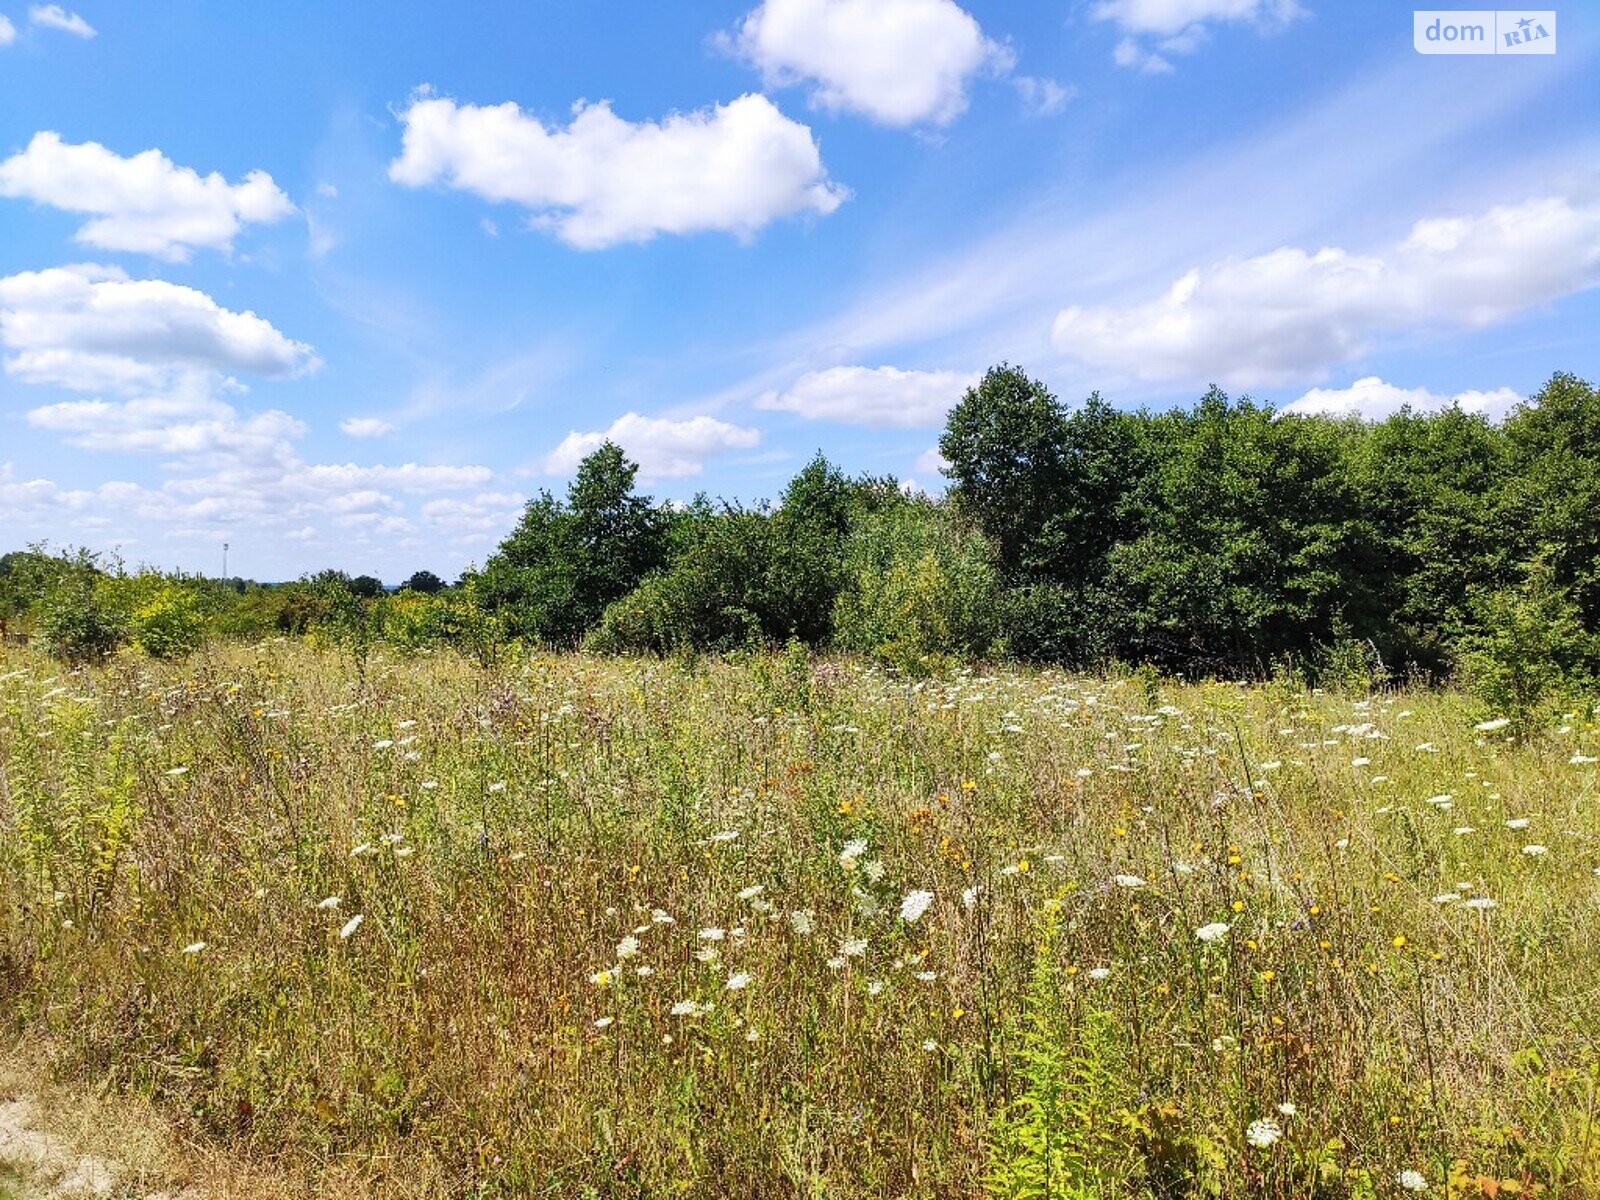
<point>561,866</point>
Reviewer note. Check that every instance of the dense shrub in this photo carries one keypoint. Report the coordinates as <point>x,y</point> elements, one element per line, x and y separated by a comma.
<point>169,624</point>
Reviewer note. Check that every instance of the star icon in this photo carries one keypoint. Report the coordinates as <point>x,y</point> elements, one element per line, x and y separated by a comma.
<point>1524,23</point>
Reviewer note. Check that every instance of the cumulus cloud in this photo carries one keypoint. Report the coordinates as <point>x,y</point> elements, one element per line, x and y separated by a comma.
<point>163,359</point>
<point>1156,29</point>
<point>663,448</point>
<point>931,462</point>
<point>187,426</point>
<point>601,180</point>
<point>879,397</point>
<point>147,203</point>
<point>474,518</point>
<point>91,328</point>
<point>53,16</point>
<point>1372,399</point>
<point>365,427</point>
<point>8,31</point>
<point>1292,314</point>
<point>899,62</point>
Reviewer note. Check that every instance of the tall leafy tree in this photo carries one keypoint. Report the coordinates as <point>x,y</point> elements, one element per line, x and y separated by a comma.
<point>556,572</point>
<point>1006,442</point>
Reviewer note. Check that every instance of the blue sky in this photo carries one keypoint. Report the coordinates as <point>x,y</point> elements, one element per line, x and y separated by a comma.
<point>344,284</point>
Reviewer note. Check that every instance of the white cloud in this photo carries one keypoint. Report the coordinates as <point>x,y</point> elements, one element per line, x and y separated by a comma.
<point>92,328</point>
<point>146,204</point>
<point>365,427</point>
<point>899,62</point>
<point>8,31</point>
<point>602,180</point>
<point>878,397</point>
<point>482,515</point>
<point>53,16</point>
<point>1042,97</point>
<point>931,462</point>
<point>663,448</point>
<point>187,426</point>
<point>1373,399</point>
<point>1290,315</point>
<point>1154,29</point>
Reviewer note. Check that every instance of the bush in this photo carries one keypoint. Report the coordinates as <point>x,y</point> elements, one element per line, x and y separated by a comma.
<point>1528,651</point>
<point>76,623</point>
<point>918,587</point>
<point>170,624</point>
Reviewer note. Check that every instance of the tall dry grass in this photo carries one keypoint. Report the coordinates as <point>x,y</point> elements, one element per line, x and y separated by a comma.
<point>654,929</point>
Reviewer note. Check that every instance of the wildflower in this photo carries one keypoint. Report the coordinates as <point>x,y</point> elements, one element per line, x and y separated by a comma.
<point>1518,823</point>
<point>930,1045</point>
<point>690,1008</point>
<point>1263,1132</point>
<point>927,976</point>
<point>330,902</point>
<point>750,893</point>
<point>873,871</point>
<point>176,771</point>
<point>350,926</point>
<point>800,922</point>
<point>969,896</point>
<point>1411,1180</point>
<point>853,947</point>
<point>712,934</point>
<point>1213,932</point>
<point>1482,903</point>
<point>1128,881</point>
<point>727,835</point>
<point>853,850</point>
<point>1287,1109</point>
<point>604,1022</point>
<point>1100,973</point>
<point>1490,727</point>
<point>914,905</point>
<point>627,947</point>
<point>194,947</point>
<point>738,981</point>
<point>1534,851</point>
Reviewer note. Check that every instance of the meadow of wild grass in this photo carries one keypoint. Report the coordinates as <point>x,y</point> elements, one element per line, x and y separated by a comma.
<point>574,926</point>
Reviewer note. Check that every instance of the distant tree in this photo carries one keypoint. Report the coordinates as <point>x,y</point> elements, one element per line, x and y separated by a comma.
<point>1554,493</point>
<point>1006,442</point>
<point>367,587</point>
<point>425,582</point>
<point>555,574</point>
<point>806,567</point>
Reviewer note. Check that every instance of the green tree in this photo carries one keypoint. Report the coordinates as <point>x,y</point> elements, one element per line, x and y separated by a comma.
<point>425,582</point>
<point>563,564</point>
<point>1006,442</point>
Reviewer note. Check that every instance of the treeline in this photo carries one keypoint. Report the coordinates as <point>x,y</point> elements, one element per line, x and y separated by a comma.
<point>1222,539</point>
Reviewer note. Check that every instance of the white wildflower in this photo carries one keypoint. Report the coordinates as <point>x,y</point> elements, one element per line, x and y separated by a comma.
<point>1213,932</point>
<point>1263,1132</point>
<point>914,905</point>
